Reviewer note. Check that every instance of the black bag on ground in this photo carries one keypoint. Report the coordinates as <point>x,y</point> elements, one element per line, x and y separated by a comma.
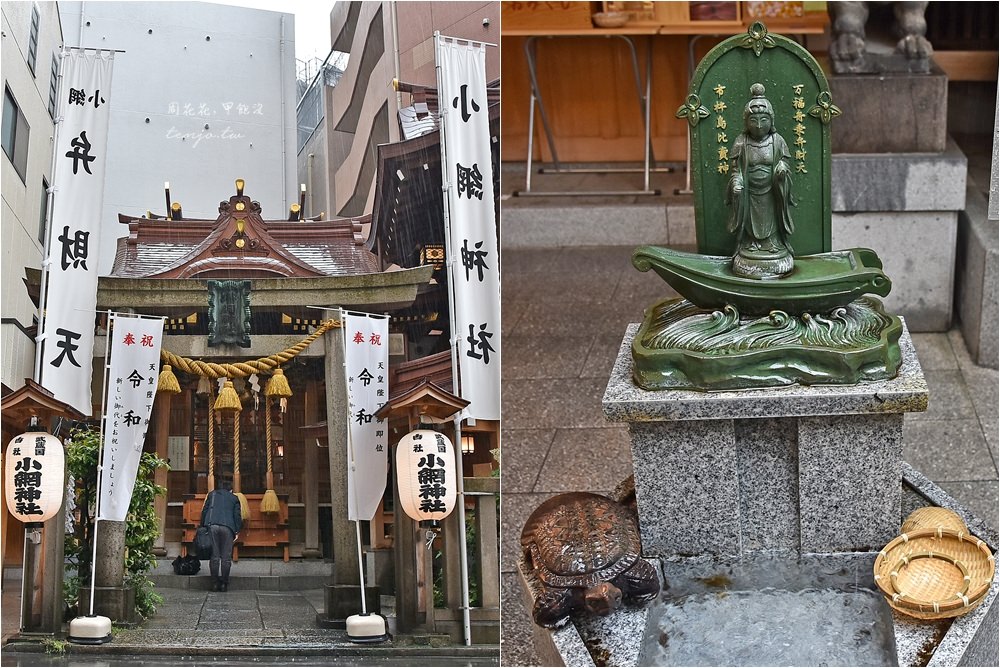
<point>189,565</point>
<point>203,543</point>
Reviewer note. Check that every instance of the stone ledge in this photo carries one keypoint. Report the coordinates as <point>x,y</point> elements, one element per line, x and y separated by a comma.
<point>625,402</point>
<point>978,266</point>
<point>899,181</point>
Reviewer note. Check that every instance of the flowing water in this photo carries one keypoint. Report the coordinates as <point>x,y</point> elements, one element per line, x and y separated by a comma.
<point>815,611</point>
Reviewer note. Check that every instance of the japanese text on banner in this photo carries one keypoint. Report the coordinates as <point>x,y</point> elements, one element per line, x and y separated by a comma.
<point>135,355</point>
<point>472,246</point>
<point>366,339</point>
<point>74,228</point>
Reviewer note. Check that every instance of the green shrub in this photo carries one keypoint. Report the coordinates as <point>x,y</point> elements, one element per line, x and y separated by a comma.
<point>141,524</point>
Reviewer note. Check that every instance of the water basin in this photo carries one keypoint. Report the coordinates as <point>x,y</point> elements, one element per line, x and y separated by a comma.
<point>817,610</point>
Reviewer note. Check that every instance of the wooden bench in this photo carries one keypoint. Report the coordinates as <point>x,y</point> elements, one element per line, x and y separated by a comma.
<point>263,530</point>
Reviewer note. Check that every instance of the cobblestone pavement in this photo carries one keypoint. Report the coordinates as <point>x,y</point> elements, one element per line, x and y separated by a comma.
<point>564,315</point>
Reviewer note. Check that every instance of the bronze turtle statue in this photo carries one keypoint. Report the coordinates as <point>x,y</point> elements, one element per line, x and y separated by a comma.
<point>584,549</point>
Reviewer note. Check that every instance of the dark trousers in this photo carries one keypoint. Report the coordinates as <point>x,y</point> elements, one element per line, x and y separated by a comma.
<point>222,551</point>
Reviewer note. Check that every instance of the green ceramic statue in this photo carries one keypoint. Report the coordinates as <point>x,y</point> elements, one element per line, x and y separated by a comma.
<point>766,301</point>
<point>760,193</point>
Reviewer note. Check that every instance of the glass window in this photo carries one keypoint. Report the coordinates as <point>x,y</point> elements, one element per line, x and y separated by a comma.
<point>15,134</point>
<point>33,39</point>
<point>53,85</point>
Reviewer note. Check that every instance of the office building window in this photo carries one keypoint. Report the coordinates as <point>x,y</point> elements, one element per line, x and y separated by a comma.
<point>15,134</point>
<point>33,39</point>
<point>53,85</point>
<point>43,211</point>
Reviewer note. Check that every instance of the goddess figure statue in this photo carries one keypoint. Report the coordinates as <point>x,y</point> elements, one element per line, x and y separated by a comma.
<point>759,193</point>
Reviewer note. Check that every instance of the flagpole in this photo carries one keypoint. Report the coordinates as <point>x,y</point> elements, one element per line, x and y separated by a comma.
<point>350,467</point>
<point>49,206</point>
<point>455,342</point>
<point>100,451</point>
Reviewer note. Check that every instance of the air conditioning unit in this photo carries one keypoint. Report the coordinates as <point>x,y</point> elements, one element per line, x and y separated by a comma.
<point>397,345</point>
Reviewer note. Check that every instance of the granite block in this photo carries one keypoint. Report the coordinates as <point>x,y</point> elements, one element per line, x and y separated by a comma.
<point>626,402</point>
<point>686,486</point>
<point>767,461</point>
<point>552,226</point>
<point>918,253</point>
<point>899,181</point>
<point>978,268</point>
<point>849,481</point>
<point>983,648</point>
<point>910,115</point>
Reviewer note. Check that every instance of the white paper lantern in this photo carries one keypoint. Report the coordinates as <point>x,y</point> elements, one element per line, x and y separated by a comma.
<point>425,475</point>
<point>34,476</point>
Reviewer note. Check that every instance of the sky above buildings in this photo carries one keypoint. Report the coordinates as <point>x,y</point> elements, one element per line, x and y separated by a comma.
<point>312,22</point>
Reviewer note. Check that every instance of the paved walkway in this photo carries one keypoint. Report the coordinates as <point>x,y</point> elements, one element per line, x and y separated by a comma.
<point>194,622</point>
<point>564,315</point>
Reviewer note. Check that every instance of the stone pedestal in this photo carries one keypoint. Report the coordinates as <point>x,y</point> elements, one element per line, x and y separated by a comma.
<point>342,601</point>
<point>890,113</point>
<point>905,207</point>
<point>806,469</point>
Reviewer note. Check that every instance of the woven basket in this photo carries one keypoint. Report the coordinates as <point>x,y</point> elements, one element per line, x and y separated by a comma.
<point>933,517</point>
<point>934,573</point>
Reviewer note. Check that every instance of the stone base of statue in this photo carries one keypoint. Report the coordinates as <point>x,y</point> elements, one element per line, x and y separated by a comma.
<point>807,469</point>
<point>901,112</point>
<point>680,345</point>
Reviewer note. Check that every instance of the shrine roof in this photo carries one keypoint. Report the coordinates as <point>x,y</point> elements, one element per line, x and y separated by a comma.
<point>241,244</point>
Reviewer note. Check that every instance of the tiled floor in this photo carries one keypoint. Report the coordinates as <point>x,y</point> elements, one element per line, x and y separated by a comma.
<point>565,312</point>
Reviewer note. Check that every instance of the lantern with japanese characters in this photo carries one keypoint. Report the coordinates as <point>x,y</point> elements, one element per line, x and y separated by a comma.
<point>425,470</point>
<point>34,476</point>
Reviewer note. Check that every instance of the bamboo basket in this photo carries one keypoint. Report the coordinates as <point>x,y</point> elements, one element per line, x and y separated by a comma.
<point>934,573</point>
<point>932,517</point>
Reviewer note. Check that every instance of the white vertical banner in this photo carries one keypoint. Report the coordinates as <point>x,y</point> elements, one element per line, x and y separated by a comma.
<point>132,378</point>
<point>366,366</point>
<point>74,227</point>
<point>473,261</point>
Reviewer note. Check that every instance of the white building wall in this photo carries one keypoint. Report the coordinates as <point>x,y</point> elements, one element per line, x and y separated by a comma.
<point>187,65</point>
<point>23,200</point>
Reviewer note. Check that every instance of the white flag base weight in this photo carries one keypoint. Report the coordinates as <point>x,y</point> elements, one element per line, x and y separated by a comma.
<point>366,628</point>
<point>90,630</point>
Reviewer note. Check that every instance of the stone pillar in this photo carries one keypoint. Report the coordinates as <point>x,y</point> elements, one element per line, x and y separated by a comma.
<point>111,598</point>
<point>343,597</point>
<point>345,567</point>
<point>310,484</point>
<point>807,469</point>
<point>489,549</point>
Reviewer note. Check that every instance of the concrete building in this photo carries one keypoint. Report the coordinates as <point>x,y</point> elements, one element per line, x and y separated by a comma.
<point>32,38</point>
<point>386,41</point>
<point>203,94</point>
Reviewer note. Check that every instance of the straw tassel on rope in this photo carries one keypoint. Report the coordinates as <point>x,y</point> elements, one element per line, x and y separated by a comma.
<point>277,386</point>
<point>167,381</point>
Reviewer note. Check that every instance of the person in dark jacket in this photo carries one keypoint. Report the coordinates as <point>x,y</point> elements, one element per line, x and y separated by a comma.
<point>221,514</point>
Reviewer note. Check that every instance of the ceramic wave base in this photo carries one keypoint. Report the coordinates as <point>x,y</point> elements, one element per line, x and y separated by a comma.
<point>682,346</point>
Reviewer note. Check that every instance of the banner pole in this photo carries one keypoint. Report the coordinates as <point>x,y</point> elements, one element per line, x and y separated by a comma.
<point>100,452</point>
<point>350,474</point>
<point>49,206</point>
<point>456,339</point>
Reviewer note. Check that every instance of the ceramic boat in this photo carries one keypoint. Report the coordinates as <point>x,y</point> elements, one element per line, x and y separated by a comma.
<point>817,283</point>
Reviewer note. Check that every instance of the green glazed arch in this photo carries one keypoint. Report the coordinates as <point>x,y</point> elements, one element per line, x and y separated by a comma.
<point>780,64</point>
